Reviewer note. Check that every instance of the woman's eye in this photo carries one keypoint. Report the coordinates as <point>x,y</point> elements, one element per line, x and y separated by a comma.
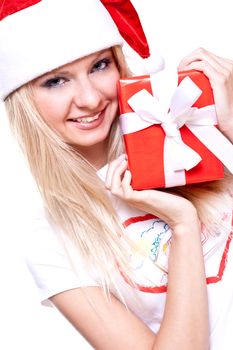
<point>101,65</point>
<point>54,82</point>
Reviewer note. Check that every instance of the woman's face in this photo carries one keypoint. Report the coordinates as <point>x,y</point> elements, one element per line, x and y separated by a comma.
<point>79,100</point>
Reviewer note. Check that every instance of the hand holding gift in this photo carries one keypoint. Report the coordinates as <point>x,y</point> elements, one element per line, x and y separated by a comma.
<point>169,131</point>
<point>220,74</point>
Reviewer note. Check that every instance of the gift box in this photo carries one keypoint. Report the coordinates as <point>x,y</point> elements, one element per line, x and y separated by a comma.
<point>149,157</point>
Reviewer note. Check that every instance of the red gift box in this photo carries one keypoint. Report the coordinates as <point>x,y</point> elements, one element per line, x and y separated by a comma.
<point>145,148</point>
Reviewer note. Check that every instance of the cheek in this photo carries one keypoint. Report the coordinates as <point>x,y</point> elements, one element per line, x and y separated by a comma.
<point>109,85</point>
<point>51,108</point>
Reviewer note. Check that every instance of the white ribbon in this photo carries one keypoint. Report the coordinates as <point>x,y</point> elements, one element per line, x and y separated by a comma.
<point>177,155</point>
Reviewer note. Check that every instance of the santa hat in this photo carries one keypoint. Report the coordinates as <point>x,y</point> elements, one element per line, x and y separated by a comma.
<point>37,36</point>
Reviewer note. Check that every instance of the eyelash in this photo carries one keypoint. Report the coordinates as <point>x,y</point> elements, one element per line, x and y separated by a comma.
<point>59,80</point>
<point>55,82</point>
<point>98,66</point>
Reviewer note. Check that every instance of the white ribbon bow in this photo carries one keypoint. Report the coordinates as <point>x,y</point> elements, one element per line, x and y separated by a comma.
<point>177,155</point>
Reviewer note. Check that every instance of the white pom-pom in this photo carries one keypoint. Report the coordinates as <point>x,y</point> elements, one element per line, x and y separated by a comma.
<point>153,64</point>
<point>139,66</point>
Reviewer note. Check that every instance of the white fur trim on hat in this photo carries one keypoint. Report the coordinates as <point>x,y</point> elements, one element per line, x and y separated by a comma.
<point>49,34</point>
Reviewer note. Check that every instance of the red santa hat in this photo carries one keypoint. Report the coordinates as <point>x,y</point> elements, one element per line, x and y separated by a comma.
<point>37,36</point>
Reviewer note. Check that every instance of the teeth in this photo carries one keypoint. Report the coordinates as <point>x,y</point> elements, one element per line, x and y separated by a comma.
<point>86,119</point>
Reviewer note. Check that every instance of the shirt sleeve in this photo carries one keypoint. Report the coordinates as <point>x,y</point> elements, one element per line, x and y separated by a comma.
<point>49,264</point>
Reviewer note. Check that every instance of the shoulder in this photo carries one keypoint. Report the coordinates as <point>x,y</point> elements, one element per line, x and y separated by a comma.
<point>53,260</point>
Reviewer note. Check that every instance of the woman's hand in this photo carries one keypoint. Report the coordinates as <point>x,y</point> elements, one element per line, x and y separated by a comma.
<point>185,263</point>
<point>173,209</point>
<point>220,74</point>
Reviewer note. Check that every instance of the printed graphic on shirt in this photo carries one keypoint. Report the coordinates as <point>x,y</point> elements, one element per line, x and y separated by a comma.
<point>152,238</point>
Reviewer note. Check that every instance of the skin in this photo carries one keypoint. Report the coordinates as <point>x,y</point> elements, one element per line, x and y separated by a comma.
<point>220,73</point>
<point>110,325</point>
<point>82,89</point>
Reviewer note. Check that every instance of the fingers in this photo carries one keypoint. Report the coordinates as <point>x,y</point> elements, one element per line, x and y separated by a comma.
<point>111,169</point>
<point>219,71</point>
<point>172,209</point>
<point>202,55</point>
<point>116,179</point>
<point>207,68</point>
<point>126,187</point>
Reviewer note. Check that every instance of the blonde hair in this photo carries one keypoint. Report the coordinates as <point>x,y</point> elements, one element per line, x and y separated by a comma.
<point>74,196</point>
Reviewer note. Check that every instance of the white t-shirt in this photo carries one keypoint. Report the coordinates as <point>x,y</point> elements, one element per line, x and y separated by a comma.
<point>53,272</point>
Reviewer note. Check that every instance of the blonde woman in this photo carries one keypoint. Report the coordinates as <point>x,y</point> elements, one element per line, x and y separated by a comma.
<point>92,248</point>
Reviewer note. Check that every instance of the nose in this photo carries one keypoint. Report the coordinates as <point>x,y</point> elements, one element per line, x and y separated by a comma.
<point>87,95</point>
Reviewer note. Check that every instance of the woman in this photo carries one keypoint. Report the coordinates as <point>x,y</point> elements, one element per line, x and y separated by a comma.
<point>87,257</point>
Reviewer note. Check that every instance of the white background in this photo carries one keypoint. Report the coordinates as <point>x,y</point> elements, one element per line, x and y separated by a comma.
<point>174,28</point>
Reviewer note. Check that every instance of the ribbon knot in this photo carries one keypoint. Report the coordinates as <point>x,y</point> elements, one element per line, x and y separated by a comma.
<point>181,156</point>
<point>170,128</point>
<point>178,156</point>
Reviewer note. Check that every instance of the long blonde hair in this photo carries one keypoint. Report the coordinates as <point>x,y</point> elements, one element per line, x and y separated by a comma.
<point>75,198</point>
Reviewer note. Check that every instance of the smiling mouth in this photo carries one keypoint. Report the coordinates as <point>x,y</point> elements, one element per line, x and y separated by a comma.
<point>86,119</point>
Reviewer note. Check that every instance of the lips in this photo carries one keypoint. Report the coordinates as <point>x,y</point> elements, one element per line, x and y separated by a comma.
<point>86,119</point>
<point>89,121</point>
